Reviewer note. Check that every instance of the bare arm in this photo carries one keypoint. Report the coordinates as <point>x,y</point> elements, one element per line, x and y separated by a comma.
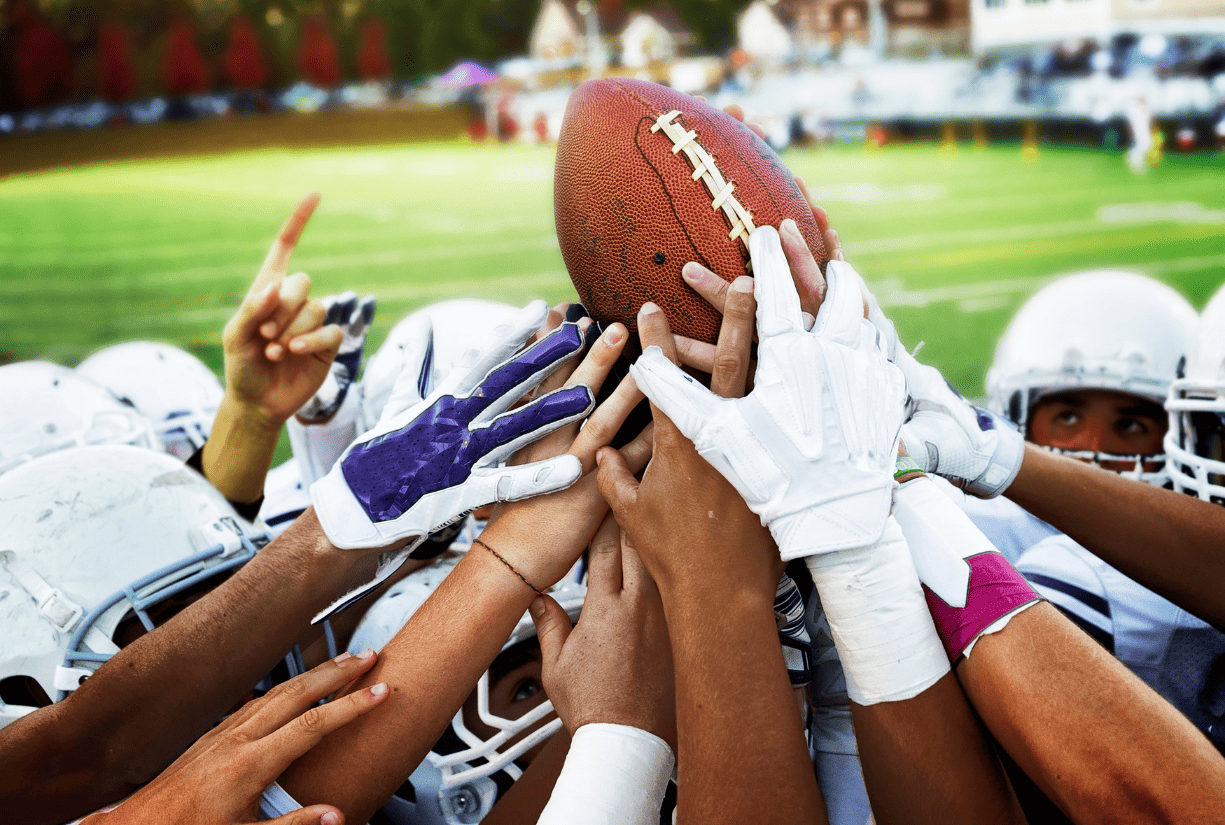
<point>1095,739</point>
<point>94,747</point>
<point>741,753</point>
<point>277,353</point>
<point>432,664</point>
<point>1171,543</point>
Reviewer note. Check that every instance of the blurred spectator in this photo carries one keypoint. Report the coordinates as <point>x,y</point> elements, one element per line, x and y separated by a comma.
<point>244,58</point>
<point>116,74</point>
<point>183,70</point>
<point>372,62</point>
<point>318,55</point>
<point>42,58</point>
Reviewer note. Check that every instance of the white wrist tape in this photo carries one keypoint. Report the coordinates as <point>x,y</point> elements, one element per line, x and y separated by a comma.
<point>879,620</point>
<point>972,590</point>
<point>614,775</point>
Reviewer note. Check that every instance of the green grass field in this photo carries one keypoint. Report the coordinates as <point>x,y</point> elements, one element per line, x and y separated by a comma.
<point>952,242</point>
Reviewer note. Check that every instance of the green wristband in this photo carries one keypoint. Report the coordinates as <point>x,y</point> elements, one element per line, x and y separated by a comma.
<point>905,466</point>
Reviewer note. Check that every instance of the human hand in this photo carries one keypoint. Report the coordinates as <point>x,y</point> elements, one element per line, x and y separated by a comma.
<point>805,273</point>
<point>691,528</point>
<point>353,317</point>
<point>615,665</point>
<point>221,778</point>
<point>429,461</point>
<point>542,537</point>
<point>973,448</point>
<point>277,351</point>
<point>812,448</point>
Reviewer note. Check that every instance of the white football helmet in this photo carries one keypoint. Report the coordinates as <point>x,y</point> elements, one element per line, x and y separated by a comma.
<point>45,407</point>
<point>462,777</point>
<point>1195,441</point>
<point>457,325</point>
<point>91,540</point>
<point>169,386</point>
<point>1102,330</point>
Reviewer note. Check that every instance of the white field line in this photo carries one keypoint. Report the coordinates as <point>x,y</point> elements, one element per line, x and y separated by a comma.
<point>974,297</point>
<point>435,224</point>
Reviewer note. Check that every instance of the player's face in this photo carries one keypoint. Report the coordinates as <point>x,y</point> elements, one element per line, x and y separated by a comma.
<point>1099,421</point>
<point>511,695</point>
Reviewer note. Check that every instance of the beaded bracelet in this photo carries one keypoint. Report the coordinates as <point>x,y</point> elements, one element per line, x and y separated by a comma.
<point>509,566</point>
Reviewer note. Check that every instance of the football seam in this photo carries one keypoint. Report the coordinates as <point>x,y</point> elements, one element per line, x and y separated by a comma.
<point>823,260</point>
<point>743,237</point>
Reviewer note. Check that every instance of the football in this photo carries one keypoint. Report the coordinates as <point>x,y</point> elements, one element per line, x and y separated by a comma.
<point>648,179</point>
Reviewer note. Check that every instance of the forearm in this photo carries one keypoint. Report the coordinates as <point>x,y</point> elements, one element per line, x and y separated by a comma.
<point>927,759</point>
<point>239,450</point>
<point>1172,544</point>
<point>1097,741</point>
<point>92,748</point>
<point>923,754</point>
<point>741,749</point>
<point>431,666</point>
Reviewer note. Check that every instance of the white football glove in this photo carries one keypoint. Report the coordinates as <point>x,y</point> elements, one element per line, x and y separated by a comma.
<point>973,448</point>
<point>945,434</point>
<point>430,461</point>
<point>812,448</point>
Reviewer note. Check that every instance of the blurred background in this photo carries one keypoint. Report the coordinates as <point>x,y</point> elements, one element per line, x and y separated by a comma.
<point>968,151</point>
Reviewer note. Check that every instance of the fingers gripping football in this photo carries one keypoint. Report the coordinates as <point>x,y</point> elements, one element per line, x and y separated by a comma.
<point>811,449</point>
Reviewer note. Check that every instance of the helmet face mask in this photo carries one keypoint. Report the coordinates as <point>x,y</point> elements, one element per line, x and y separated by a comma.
<point>1195,440</point>
<point>117,533</point>
<point>1107,331</point>
<point>480,753</point>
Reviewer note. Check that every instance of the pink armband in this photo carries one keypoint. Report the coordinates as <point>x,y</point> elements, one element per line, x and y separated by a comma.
<point>997,591</point>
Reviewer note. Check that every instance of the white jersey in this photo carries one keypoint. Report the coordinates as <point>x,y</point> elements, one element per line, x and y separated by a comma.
<point>1175,653</point>
<point>285,496</point>
<point>1007,525</point>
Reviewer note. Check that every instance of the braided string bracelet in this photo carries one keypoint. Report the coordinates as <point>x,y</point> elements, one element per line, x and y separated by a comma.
<point>509,567</point>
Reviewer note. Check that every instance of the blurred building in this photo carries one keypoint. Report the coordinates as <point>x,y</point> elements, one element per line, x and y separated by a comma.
<point>568,30</point>
<point>653,34</point>
<point>557,33</point>
<point>900,28</point>
<point>1005,24</point>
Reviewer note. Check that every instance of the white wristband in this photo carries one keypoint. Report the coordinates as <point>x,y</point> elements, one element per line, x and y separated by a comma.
<point>878,617</point>
<point>614,775</point>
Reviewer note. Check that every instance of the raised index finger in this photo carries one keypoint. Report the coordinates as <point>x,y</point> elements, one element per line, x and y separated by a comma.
<point>277,262</point>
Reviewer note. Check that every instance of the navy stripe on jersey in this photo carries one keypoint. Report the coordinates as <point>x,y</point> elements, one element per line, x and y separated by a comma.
<point>1098,635</point>
<point>281,518</point>
<point>1089,600</point>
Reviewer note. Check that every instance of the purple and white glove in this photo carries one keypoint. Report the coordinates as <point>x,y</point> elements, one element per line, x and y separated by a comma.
<point>430,461</point>
<point>354,318</point>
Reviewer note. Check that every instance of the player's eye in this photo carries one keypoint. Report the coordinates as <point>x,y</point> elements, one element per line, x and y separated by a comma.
<point>1131,426</point>
<point>526,690</point>
<point>1068,418</point>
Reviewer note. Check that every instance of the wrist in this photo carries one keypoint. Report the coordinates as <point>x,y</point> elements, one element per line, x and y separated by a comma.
<point>249,415</point>
<point>879,619</point>
<point>500,573</point>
